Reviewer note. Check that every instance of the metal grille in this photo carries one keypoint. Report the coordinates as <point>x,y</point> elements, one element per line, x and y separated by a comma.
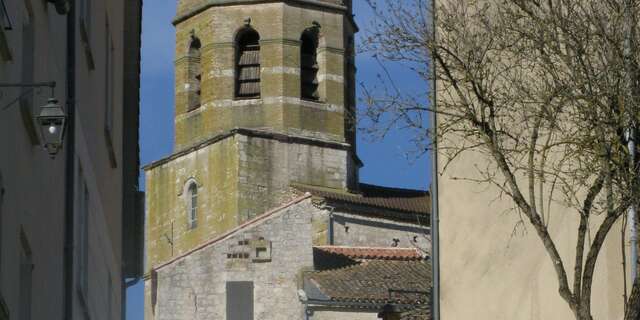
<point>309,66</point>
<point>248,67</point>
<point>194,75</point>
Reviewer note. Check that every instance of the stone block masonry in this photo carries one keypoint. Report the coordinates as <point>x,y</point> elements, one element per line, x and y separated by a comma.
<point>238,175</point>
<point>279,107</point>
<point>194,287</point>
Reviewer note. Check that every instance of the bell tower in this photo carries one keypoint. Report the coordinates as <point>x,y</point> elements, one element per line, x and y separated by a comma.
<point>279,66</point>
<point>264,98</point>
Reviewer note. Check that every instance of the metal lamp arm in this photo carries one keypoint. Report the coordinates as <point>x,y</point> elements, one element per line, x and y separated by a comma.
<point>31,86</point>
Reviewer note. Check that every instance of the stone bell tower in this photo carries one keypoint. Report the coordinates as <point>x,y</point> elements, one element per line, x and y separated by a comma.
<point>265,97</point>
<point>280,66</point>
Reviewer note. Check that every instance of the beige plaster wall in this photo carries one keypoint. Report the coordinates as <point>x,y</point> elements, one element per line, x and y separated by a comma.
<point>492,267</point>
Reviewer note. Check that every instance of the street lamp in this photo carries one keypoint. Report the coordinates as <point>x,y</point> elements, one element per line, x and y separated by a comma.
<point>51,121</point>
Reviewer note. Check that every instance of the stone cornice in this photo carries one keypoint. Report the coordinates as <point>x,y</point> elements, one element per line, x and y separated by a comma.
<point>282,137</point>
<point>206,4</point>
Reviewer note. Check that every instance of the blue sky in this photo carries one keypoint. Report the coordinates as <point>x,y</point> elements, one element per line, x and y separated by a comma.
<point>385,161</point>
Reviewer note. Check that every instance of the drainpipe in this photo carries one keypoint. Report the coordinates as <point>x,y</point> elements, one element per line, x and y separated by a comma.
<point>435,219</point>
<point>630,77</point>
<point>631,214</point>
<point>331,221</point>
<point>69,166</point>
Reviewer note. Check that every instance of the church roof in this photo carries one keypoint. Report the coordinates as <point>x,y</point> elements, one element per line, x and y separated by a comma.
<point>405,283</point>
<point>404,200</point>
<point>417,314</point>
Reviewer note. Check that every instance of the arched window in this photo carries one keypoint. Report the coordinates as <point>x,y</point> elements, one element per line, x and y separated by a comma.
<point>194,74</point>
<point>309,64</point>
<point>192,199</point>
<point>248,64</point>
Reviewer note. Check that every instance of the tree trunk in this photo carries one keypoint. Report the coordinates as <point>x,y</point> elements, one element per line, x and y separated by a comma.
<point>633,304</point>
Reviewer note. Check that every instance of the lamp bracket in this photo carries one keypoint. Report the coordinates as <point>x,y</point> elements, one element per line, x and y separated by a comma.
<point>30,85</point>
<point>50,84</point>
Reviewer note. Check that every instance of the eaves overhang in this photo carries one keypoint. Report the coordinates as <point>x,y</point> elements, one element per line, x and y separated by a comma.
<point>206,4</point>
<point>282,137</point>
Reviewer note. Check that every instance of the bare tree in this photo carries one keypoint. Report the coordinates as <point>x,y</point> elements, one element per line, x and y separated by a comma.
<point>545,90</point>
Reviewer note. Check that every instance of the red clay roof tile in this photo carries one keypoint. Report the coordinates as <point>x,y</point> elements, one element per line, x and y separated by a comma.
<point>371,253</point>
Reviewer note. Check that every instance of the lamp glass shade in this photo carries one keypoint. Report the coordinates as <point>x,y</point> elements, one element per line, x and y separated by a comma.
<point>51,121</point>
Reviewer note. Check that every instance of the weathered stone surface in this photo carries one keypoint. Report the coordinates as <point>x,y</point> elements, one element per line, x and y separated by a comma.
<point>360,231</point>
<point>194,287</point>
<point>280,26</point>
<point>237,177</point>
<point>243,155</point>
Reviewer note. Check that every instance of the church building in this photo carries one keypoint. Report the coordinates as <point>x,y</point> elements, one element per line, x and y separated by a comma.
<point>259,213</point>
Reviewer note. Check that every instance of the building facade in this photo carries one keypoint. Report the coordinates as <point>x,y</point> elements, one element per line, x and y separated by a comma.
<point>70,223</point>
<point>264,170</point>
<point>238,151</point>
<point>493,264</point>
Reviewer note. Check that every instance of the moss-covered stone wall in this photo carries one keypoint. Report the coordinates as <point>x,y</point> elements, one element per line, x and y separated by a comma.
<point>215,170</point>
<point>238,178</point>
<point>279,106</point>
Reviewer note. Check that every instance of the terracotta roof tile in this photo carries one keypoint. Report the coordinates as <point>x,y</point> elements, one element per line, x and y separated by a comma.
<point>370,253</point>
<point>376,281</point>
<point>417,314</point>
<point>403,200</point>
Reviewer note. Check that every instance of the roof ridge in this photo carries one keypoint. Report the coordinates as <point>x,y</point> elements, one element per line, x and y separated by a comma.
<point>399,202</point>
<point>364,247</point>
<point>259,218</point>
<point>374,253</point>
<point>393,188</point>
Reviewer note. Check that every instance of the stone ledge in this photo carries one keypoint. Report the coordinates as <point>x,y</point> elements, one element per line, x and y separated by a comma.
<point>182,16</point>
<point>282,137</point>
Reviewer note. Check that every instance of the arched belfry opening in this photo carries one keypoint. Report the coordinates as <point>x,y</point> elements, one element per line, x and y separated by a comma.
<point>309,63</point>
<point>194,73</point>
<point>247,76</point>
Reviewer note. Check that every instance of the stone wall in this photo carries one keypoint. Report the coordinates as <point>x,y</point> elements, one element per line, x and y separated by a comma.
<point>267,167</point>
<point>194,287</point>
<point>360,231</point>
<point>215,170</point>
<point>238,177</point>
<point>279,107</point>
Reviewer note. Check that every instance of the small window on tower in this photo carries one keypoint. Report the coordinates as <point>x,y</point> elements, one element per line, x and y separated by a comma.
<point>309,64</point>
<point>192,198</point>
<point>194,75</point>
<point>248,64</point>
